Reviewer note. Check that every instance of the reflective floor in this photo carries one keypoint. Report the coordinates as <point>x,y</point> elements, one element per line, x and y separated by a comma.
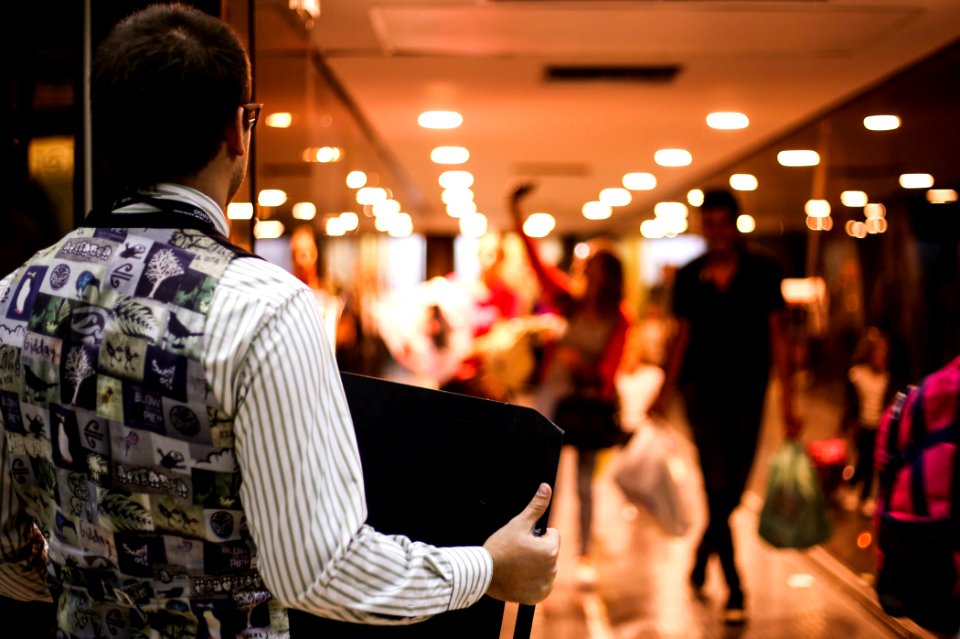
<point>641,585</point>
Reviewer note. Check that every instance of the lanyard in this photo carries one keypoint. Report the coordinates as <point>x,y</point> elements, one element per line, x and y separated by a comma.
<point>172,214</point>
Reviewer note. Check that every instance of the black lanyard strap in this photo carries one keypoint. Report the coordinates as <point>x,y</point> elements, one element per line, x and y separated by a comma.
<point>171,214</point>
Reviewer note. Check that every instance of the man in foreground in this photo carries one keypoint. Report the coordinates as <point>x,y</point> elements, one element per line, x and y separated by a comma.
<point>173,421</point>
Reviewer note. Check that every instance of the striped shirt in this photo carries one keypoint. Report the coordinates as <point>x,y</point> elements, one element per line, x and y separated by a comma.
<point>270,364</point>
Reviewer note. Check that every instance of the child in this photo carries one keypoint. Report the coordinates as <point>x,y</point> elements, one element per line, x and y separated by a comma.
<point>868,394</point>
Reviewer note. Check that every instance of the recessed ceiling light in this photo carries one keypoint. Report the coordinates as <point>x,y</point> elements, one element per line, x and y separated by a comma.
<point>271,197</point>
<point>400,225</point>
<point>652,229</point>
<point>941,196</point>
<point>473,225</point>
<point>743,182</point>
<point>440,119</point>
<point>881,122</point>
<point>461,209</point>
<point>322,154</point>
<point>819,223</point>
<point>746,223</point>
<point>817,208</point>
<point>597,211</point>
<point>876,225</point>
<point>857,229</point>
<point>456,179</point>
<point>356,179</point>
<point>268,229</point>
<point>854,199</point>
<point>450,155</point>
<point>916,180</point>
<point>386,208</point>
<point>673,157</point>
<point>640,181</point>
<point>371,195</point>
<point>334,227</point>
<point>279,120</point>
<point>615,197</point>
<point>798,157</point>
<point>727,120</point>
<point>304,210</point>
<point>539,225</point>
<point>239,211</point>
<point>670,209</point>
<point>874,210</point>
<point>349,220</point>
<point>695,197</point>
<point>450,196</point>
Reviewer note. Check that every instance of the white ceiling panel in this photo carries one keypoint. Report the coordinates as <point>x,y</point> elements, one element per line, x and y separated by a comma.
<point>642,30</point>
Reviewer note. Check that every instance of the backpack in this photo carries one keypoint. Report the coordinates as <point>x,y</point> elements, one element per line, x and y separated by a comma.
<point>917,520</point>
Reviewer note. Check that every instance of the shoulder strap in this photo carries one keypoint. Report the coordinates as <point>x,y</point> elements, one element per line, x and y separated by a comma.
<point>911,455</point>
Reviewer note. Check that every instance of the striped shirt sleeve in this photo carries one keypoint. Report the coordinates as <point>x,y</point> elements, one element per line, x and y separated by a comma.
<point>272,364</point>
<point>21,575</point>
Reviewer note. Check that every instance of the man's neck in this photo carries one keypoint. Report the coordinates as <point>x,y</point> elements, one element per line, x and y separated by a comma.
<point>216,190</point>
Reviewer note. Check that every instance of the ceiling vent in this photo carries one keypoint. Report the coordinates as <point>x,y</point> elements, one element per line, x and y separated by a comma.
<point>657,74</point>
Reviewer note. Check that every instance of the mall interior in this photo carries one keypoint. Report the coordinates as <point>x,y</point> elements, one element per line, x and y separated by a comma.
<point>393,133</point>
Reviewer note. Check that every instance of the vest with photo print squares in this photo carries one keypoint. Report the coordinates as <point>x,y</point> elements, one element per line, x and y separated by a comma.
<point>118,448</point>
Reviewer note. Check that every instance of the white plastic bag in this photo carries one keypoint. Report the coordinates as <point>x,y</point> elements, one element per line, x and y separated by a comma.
<point>652,473</point>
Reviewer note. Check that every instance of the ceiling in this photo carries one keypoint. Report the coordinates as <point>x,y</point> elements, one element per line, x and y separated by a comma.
<point>360,76</point>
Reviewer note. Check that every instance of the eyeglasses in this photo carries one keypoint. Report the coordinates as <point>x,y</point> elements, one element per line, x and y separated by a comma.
<point>251,111</point>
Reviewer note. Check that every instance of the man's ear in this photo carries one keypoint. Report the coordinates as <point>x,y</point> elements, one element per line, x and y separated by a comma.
<point>236,134</point>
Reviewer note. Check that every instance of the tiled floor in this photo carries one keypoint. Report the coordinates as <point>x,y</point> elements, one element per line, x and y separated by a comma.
<point>641,589</point>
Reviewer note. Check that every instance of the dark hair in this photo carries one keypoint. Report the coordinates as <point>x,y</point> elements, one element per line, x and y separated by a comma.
<point>166,83</point>
<point>610,293</point>
<point>871,338</point>
<point>720,199</point>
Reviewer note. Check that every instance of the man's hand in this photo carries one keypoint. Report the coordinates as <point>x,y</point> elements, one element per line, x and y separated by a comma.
<point>524,565</point>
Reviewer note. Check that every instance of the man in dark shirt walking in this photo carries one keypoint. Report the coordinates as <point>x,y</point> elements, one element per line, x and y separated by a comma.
<point>729,312</point>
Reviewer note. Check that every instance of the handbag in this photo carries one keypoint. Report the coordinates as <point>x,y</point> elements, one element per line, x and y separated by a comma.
<point>589,421</point>
<point>653,474</point>
<point>794,513</point>
<point>830,458</point>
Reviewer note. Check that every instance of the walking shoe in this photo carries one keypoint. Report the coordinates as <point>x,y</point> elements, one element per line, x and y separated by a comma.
<point>586,573</point>
<point>734,613</point>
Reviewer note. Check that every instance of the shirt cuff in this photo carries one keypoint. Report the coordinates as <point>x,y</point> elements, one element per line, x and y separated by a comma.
<point>472,568</point>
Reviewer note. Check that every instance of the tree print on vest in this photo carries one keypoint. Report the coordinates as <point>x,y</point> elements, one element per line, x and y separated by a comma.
<point>161,267</point>
<point>78,367</point>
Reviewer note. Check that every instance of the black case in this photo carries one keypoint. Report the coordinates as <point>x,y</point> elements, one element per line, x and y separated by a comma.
<point>448,470</point>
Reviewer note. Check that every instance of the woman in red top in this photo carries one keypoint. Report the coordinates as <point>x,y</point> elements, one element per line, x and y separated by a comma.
<point>588,353</point>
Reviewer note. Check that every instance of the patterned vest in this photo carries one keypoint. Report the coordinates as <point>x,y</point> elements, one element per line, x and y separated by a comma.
<point>118,448</point>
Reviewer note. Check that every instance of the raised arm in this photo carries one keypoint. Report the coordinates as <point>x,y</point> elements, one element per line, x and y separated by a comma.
<point>554,282</point>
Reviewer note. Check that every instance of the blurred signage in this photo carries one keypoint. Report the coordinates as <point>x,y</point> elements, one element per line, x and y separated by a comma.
<point>805,290</point>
